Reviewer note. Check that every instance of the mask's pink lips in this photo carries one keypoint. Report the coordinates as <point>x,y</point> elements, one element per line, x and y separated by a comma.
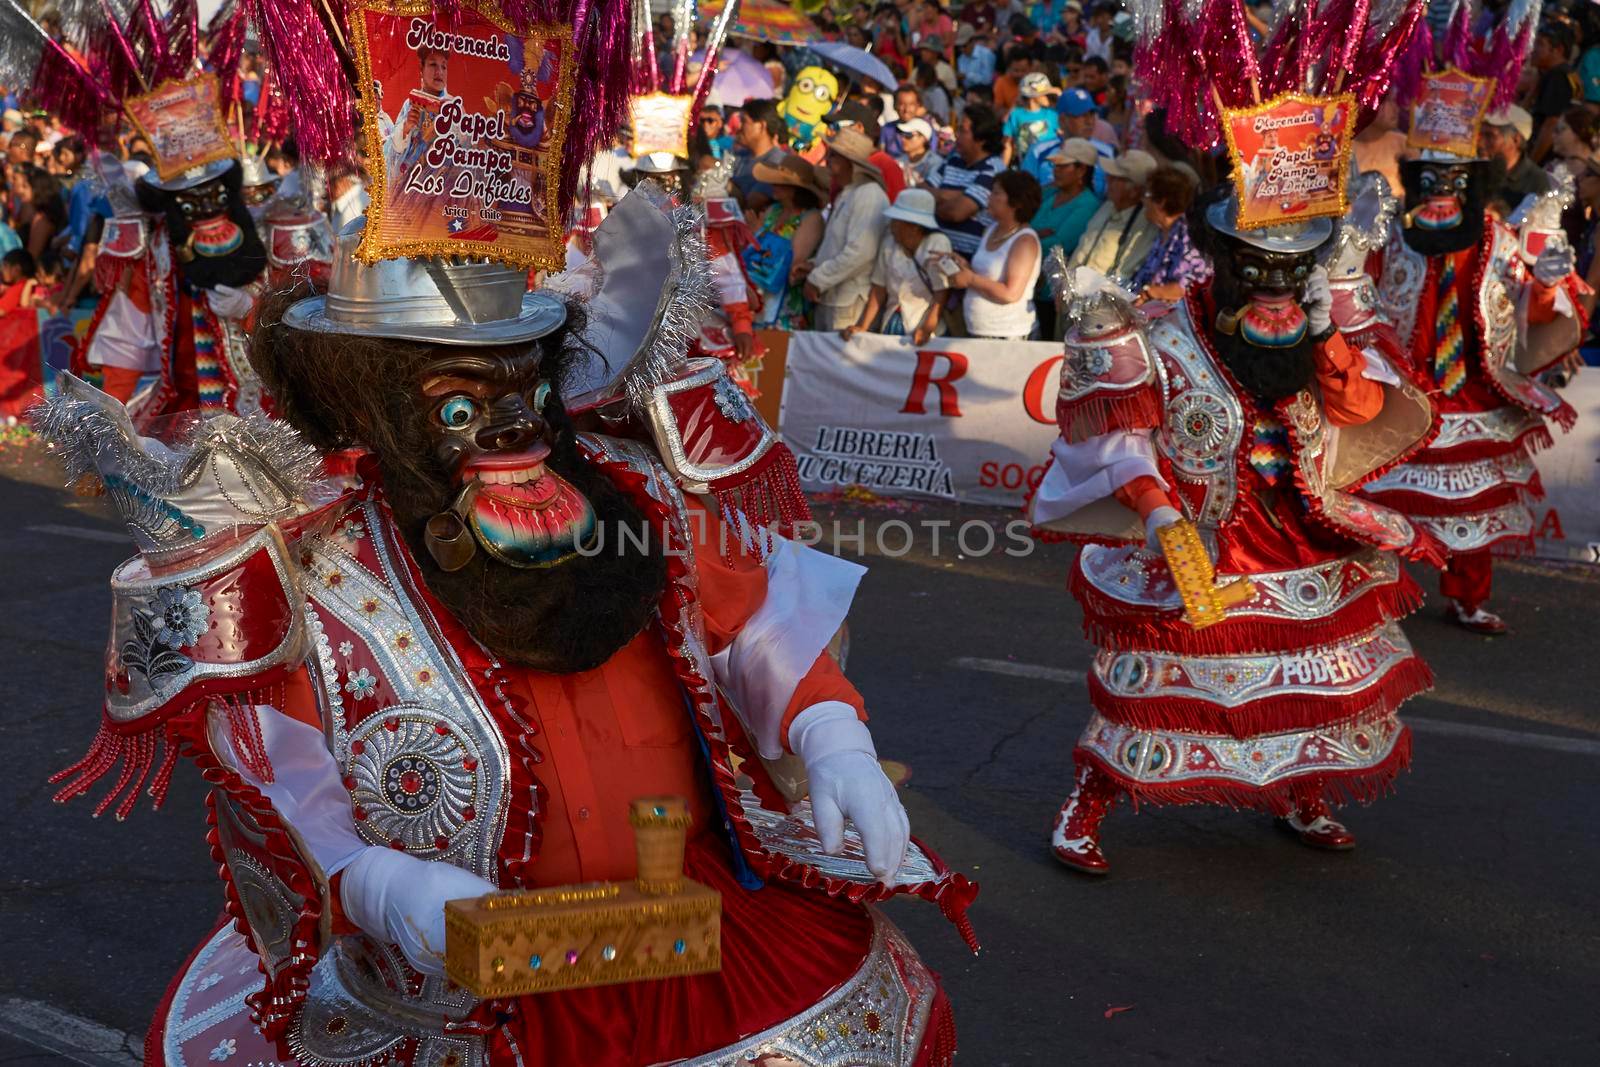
<point>509,461</point>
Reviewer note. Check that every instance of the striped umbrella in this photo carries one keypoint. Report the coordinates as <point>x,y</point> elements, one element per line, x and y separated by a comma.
<point>766,20</point>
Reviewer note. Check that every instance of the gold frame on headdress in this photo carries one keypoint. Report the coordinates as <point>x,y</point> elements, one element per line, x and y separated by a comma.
<point>1457,148</point>
<point>167,170</point>
<point>548,253</point>
<point>1341,163</point>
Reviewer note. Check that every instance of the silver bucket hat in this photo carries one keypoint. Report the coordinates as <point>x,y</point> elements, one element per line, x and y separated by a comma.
<point>1290,237</point>
<point>450,302</point>
<point>190,178</point>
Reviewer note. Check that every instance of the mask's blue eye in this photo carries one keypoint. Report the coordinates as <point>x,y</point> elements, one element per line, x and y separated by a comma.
<point>541,393</point>
<point>457,411</point>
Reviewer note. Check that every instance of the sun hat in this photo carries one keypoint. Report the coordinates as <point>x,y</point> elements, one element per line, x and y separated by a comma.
<point>854,146</point>
<point>914,206</point>
<point>921,127</point>
<point>1036,85</point>
<point>1075,150</point>
<point>1135,165</point>
<point>793,170</point>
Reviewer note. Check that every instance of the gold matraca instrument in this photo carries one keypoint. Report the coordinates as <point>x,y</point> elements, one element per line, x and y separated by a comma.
<point>660,925</point>
<point>1205,603</point>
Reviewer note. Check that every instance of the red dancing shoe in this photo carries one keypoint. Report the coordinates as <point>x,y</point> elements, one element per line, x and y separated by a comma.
<point>1477,620</point>
<point>1075,838</point>
<point>1314,827</point>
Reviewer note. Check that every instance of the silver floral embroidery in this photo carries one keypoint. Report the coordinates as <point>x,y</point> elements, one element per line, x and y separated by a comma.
<point>171,620</point>
<point>225,1048</point>
<point>732,401</point>
<point>360,684</point>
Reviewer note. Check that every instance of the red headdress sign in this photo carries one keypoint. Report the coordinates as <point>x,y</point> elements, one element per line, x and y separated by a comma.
<point>1448,110</point>
<point>1290,156</point>
<point>464,121</point>
<point>182,120</point>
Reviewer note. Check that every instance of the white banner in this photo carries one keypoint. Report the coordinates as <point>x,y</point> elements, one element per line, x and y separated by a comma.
<point>1567,520</point>
<point>961,420</point>
<point>972,421</point>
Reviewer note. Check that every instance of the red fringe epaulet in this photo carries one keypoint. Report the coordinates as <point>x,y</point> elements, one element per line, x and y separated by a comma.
<point>1097,414</point>
<point>767,496</point>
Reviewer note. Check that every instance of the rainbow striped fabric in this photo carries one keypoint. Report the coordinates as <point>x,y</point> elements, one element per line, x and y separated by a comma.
<point>1269,450</point>
<point>213,385</point>
<point>1449,346</point>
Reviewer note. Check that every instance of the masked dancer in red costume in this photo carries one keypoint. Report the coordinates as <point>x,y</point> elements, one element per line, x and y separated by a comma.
<point>1216,441</point>
<point>1483,307</point>
<point>558,589</point>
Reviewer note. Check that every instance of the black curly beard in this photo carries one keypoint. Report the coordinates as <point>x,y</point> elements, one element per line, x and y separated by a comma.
<point>236,269</point>
<point>562,619</point>
<point>1469,234</point>
<point>1267,374</point>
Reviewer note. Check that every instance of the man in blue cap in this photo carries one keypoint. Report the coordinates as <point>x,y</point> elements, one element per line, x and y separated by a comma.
<point>1079,118</point>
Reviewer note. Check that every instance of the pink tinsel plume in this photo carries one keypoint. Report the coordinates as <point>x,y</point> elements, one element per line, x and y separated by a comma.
<point>183,21</point>
<point>305,61</point>
<point>227,49</point>
<point>56,78</point>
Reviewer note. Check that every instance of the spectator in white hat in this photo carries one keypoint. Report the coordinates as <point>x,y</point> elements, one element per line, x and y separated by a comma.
<point>922,162</point>
<point>909,287</point>
<point>1512,175</point>
<point>1033,119</point>
<point>1119,236</point>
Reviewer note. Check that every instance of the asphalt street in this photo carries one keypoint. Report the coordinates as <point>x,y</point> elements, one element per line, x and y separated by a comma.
<point>1463,930</point>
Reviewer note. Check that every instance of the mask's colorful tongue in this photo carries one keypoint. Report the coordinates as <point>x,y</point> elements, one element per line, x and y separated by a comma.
<point>217,237</point>
<point>1438,213</point>
<point>1273,322</point>
<point>531,524</point>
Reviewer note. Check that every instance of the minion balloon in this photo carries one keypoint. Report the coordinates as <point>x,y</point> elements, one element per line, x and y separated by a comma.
<point>809,101</point>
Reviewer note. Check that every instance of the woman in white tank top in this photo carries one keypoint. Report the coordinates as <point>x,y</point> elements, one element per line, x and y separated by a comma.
<point>1000,280</point>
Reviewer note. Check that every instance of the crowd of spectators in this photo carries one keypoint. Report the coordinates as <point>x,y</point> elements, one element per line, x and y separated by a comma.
<point>1038,101</point>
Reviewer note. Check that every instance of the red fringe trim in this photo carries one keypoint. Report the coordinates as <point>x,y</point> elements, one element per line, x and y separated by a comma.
<point>1113,624</point>
<point>274,1005</point>
<point>244,730</point>
<point>1534,440</point>
<point>1094,415</point>
<point>939,1039</point>
<point>1416,504</point>
<point>1268,715</point>
<point>1565,416</point>
<point>136,753</point>
<point>1283,798</point>
<point>767,496</point>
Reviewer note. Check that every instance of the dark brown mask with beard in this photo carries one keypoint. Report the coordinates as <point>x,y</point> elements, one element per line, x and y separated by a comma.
<point>1260,332</point>
<point>1444,205</point>
<point>445,421</point>
<point>213,236</point>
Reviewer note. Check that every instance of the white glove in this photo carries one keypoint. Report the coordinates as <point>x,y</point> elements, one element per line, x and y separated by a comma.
<point>230,303</point>
<point>1554,263</point>
<point>400,899</point>
<point>1162,516</point>
<point>847,782</point>
<point>1317,299</point>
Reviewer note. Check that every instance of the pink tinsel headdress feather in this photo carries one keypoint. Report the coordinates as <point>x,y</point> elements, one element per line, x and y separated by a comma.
<point>1192,55</point>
